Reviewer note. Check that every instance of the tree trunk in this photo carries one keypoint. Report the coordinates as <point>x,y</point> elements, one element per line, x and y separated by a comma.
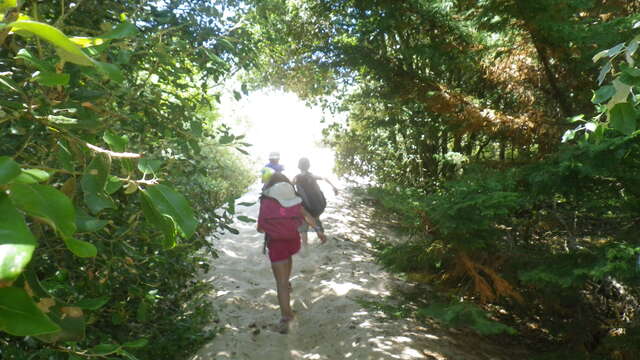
<point>564,105</point>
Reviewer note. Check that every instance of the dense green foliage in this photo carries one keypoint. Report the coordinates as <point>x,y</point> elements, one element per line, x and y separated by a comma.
<point>104,135</point>
<point>467,116</point>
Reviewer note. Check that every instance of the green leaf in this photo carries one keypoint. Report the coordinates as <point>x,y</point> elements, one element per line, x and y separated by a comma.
<point>17,243</point>
<point>630,76</point>
<point>31,176</point>
<point>7,4</point>
<point>143,312</point>
<point>195,128</point>
<point>631,71</point>
<point>600,55</point>
<point>113,184</point>
<point>615,50</point>
<point>246,203</point>
<point>85,42</point>
<point>98,202</point>
<point>19,315</point>
<point>25,55</point>
<point>599,132</point>
<point>92,304</point>
<point>631,49</point>
<point>225,44</point>
<point>231,206</point>
<point>568,135</point>
<point>123,57</point>
<point>47,203</point>
<point>59,119</point>
<point>56,37</point>
<point>9,84</point>
<point>193,143</point>
<point>621,94</point>
<point>623,117</point>
<point>80,248</point>
<point>147,165</point>
<point>9,169</point>
<point>246,219</point>
<point>171,203</point>
<point>162,222</point>
<point>603,94</point>
<point>140,343</point>
<point>112,71</point>
<point>96,174</point>
<point>603,72</point>
<point>87,223</point>
<point>48,78</point>
<point>94,181</point>
<point>225,139</point>
<point>104,349</point>
<point>121,30</point>
<point>576,118</point>
<point>116,143</point>
<point>127,355</point>
<point>65,158</point>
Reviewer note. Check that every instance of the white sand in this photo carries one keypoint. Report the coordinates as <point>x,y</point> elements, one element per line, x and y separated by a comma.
<point>327,282</point>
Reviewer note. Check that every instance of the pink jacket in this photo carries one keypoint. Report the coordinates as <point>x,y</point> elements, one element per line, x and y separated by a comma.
<point>279,222</point>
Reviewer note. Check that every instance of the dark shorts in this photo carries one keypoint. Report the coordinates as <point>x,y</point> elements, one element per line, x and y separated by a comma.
<point>282,249</point>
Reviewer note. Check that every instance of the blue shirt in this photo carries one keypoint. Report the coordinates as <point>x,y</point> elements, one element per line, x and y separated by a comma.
<point>275,167</point>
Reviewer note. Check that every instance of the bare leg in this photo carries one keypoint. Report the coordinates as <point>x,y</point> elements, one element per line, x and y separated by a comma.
<point>282,273</point>
<point>305,238</point>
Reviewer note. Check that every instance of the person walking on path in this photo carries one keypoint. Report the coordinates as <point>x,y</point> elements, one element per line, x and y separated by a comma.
<point>274,162</point>
<point>279,217</point>
<point>271,168</point>
<point>313,199</point>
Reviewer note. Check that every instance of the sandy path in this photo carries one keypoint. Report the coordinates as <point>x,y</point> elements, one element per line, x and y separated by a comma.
<point>327,283</point>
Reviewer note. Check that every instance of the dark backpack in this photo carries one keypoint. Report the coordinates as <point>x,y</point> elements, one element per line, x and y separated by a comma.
<point>313,199</point>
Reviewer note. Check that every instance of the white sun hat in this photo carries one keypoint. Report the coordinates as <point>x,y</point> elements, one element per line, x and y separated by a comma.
<point>274,155</point>
<point>284,193</point>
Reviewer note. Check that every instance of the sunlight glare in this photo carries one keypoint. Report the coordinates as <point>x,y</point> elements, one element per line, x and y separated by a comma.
<point>341,289</point>
<point>279,121</point>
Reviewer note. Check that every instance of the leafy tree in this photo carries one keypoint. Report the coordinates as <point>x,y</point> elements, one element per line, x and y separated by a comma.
<point>457,110</point>
<point>105,135</point>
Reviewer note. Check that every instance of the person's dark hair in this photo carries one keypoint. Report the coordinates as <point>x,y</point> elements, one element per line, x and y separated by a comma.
<point>277,178</point>
<point>304,164</point>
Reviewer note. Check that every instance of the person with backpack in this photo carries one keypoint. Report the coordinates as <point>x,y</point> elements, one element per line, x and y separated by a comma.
<point>313,200</point>
<point>280,215</point>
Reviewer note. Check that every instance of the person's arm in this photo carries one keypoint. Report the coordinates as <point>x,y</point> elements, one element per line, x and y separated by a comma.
<point>335,189</point>
<point>312,222</point>
<point>259,222</point>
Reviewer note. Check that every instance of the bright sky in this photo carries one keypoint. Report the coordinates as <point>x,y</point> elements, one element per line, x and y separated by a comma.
<point>278,121</point>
